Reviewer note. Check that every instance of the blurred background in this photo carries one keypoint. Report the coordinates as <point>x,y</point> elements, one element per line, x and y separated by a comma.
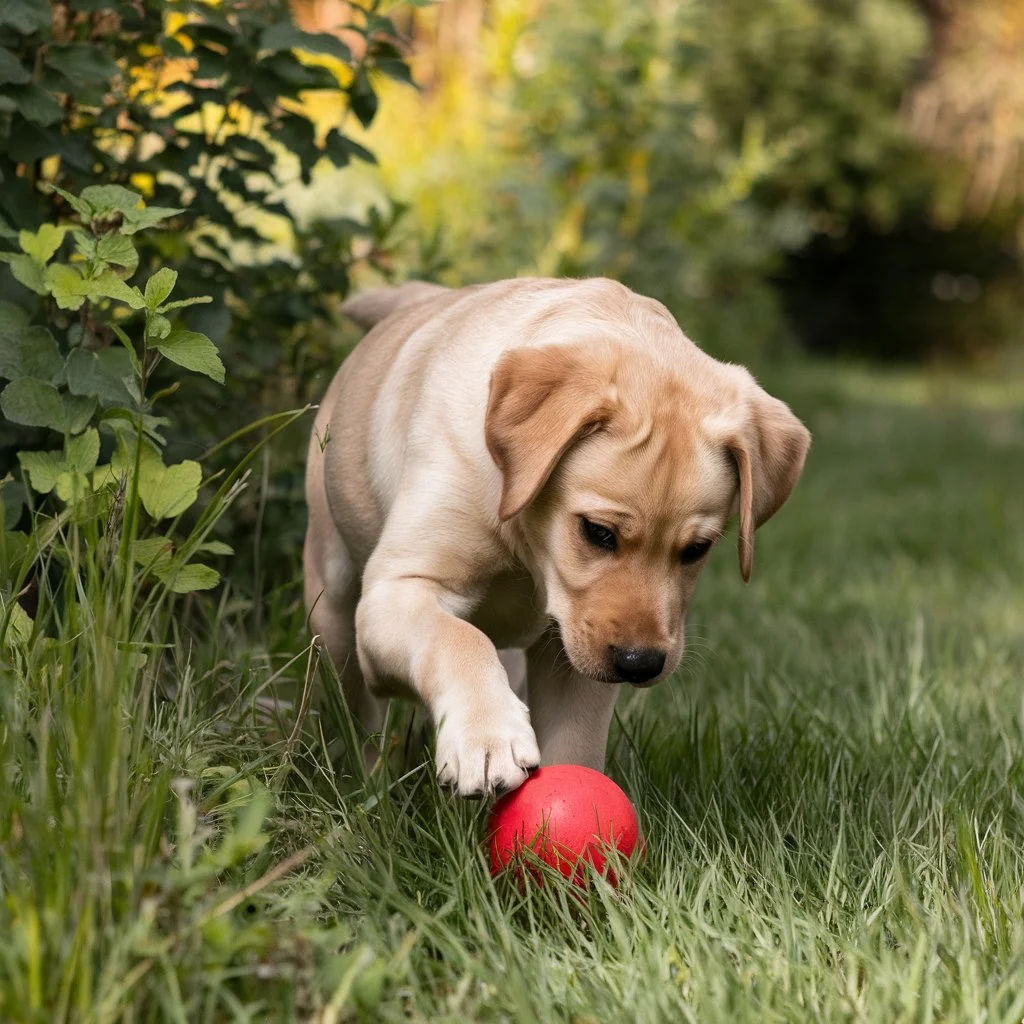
<point>803,183</point>
<point>844,177</point>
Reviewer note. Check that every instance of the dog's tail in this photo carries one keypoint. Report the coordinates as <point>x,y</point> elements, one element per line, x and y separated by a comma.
<point>370,307</point>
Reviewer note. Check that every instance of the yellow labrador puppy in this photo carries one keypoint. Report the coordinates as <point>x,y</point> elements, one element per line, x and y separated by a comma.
<point>532,464</point>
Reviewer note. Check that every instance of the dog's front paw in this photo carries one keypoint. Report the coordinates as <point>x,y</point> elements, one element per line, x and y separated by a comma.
<point>484,750</point>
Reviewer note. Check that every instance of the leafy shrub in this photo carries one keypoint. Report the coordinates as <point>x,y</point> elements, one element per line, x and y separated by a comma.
<point>209,109</point>
<point>90,618</point>
<point>99,399</point>
<point>829,79</point>
<point>688,147</point>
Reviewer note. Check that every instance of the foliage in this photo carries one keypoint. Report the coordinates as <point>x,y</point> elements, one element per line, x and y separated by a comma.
<point>665,145</point>
<point>830,79</point>
<point>94,388</point>
<point>728,134</point>
<point>88,601</point>
<point>213,110</point>
<point>691,150</point>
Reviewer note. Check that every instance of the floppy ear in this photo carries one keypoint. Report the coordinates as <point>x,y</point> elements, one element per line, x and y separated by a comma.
<point>541,401</point>
<point>769,450</point>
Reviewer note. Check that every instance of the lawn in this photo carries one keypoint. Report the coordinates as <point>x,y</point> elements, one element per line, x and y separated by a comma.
<point>831,788</point>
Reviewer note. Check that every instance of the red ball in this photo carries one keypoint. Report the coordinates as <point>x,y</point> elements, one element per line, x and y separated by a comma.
<point>567,815</point>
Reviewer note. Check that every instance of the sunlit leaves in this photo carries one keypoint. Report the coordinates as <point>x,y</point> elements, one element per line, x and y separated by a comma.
<point>167,491</point>
<point>159,286</point>
<point>193,351</point>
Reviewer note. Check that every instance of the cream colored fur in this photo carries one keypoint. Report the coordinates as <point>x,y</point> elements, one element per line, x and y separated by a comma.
<point>455,464</point>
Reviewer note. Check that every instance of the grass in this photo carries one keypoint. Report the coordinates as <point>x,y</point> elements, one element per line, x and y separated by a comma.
<point>831,789</point>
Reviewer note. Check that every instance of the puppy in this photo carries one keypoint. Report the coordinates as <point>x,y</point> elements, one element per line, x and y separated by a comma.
<point>531,464</point>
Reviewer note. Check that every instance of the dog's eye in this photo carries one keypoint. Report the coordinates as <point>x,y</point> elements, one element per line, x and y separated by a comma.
<point>695,552</point>
<point>598,535</point>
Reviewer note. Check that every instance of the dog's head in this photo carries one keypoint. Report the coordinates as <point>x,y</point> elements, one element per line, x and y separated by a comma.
<point>619,474</point>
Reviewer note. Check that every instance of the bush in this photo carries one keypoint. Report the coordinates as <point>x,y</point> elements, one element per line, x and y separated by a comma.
<point>695,144</point>
<point>134,816</point>
<point>209,109</point>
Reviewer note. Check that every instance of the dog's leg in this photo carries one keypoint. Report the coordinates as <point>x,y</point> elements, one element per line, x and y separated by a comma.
<point>570,713</point>
<point>411,641</point>
<point>331,592</point>
<point>513,660</point>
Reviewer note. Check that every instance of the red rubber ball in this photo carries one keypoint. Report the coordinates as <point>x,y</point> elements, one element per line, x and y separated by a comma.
<point>567,815</point>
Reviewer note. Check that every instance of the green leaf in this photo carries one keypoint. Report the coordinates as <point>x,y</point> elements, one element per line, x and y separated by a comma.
<point>194,351</point>
<point>26,16</point>
<point>33,403</point>
<point>182,303</point>
<point>216,547</point>
<point>72,486</point>
<point>397,69</point>
<point>86,244</point>
<point>34,103</point>
<point>81,63</point>
<point>19,629</point>
<point>42,469</point>
<point>13,319</point>
<point>30,353</point>
<point>78,411</point>
<point>362,99</point>
<point>109,285</point>
<point>139,220</point>
<point>80,206</point>
<point>12,500</point>
<point>285,36</point>
<point>287,68</point>
<point>67,286</point>
<point>128,347</point>
<point>189,578</point>
<point>42,244</point>
<point>26,271</point>
<point>339,149</point>
<point>299,135</point>
<point>107,199</point>
<point>83,451</point>
<point>111,198</point>
<point>107,475</point>
<point>159,327</point>
<point>118,250</point>
<point>159,286</point>
<point>102,375</point>
<point>153,553</point>
<point>166,491</point>
<point>12,71</point>
<point>123,424</point>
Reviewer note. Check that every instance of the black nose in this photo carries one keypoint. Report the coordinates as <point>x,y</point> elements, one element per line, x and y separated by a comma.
<point>636,664</point>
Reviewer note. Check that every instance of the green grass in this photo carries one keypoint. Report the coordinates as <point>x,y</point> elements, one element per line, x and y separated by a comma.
<point>831,789</point>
